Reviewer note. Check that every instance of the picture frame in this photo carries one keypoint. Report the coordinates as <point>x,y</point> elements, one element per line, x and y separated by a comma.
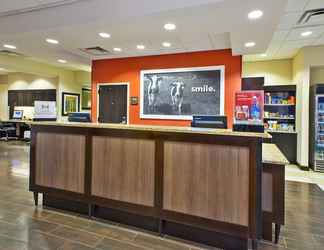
<point>86,99</point>
<point>180,93</point>
<point>70,103</point>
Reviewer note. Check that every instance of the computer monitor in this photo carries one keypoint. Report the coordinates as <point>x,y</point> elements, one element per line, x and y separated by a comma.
<point>79,117</point>
<point>209,121</point>
<point>18,114</point>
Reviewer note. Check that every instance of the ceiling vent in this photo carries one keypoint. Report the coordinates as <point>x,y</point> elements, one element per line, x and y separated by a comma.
<point>10,53</point>
<point>315,16</point>
<point>96,51</point>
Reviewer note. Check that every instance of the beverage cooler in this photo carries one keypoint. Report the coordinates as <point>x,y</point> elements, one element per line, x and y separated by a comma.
<point>316,156</point>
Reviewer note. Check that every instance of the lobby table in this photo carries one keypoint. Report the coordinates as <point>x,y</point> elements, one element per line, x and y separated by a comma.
<point>198,184</point>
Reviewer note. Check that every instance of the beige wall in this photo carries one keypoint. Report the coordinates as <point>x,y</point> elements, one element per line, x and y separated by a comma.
<point>39,76</point>
<point>3,100</point>
<point>316,75</point>
<point>67,80</point>
<point>301,77</point>
<point>26,81</point>
<point>275,72</point>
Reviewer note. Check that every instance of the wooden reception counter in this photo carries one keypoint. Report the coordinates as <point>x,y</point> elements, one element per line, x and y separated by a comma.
<point>199,184</point>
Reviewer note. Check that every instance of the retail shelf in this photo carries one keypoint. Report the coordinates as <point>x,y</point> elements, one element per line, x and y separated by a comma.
<point>279,104</point>
<point>279,118</point>
<point>281,131</point>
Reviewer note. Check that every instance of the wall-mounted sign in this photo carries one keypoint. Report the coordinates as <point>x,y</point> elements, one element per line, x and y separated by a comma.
<point>181,93</point>
<point>249,107</point>
<point>45,110</point>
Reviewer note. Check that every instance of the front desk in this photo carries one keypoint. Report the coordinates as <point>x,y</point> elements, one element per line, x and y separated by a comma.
<point>199,184</point>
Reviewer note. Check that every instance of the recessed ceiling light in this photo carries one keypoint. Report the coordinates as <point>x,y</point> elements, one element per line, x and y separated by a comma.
<point>306,33</point>
<point>170,26</point>
<point>117,49</point>
<point>264,55</point>
<point>52,41</point>
<point>104,35</point>
<point>61,61</point>
<point>255,14</point>
<point>8,46</point>
<point>166,44</point>
<point>140,46</point>
<point>249,44</point>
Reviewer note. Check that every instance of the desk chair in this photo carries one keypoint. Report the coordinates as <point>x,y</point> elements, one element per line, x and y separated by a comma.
<point>7,131</point>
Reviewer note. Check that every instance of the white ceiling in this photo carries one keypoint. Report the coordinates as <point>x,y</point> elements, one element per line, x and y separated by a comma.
<point>287,39</point>
<point>201,25</point>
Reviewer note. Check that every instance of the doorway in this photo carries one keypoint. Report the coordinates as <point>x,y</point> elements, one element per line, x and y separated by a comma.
<point>113,103</point>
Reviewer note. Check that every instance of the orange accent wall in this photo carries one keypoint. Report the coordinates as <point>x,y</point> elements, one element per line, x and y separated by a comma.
<point>128,70</point>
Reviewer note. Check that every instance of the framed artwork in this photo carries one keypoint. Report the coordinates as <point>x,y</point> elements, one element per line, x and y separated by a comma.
<point>86,99</point>
<point>180,93</point>
<point>70,103</point>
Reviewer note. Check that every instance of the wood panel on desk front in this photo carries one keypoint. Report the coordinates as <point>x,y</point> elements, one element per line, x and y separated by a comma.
<point>209,181</point>
<point>123,169</point>
<point>60,161</point>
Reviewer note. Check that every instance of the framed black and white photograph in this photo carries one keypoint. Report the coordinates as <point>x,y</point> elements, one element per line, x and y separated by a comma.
<point>180,93</point>
<point>70,103</point>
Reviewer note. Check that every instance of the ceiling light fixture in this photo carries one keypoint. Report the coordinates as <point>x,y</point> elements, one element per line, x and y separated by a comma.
<point>61,61</point>
<point>140,47</point>
<point>166,44</point>
<point>255,14</point>
<point>170,26</point>
<point>249,44</point>
<point>52,41</point>
<point>8,46</point>
<point>104,35</point>
<point>306,33</point>
<point>264,55</point>
<point>117,49</point>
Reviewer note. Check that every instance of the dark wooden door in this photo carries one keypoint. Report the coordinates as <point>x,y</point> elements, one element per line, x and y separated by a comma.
<point>113,104</point>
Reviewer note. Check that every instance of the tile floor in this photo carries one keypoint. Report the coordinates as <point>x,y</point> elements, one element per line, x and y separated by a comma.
<point>294,173</point>
<point>25,227</point>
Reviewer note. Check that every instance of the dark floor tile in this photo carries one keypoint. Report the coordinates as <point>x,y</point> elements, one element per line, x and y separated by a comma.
<point>44,241</point>
<point>11,244</point>
<point>39,225</point>
<point>112,231</point>
<point>159,243</point>
<point>300,245</point>
<point>9,217</point>
<point>70,221</point>
<point>113,244</point>
<point>80,236</point>
<point>74,246</point>
<point>13,231</point>
<point>269,246</point>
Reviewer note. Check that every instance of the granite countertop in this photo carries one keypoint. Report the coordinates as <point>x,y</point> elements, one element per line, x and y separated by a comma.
<point>189,130</point>
<point>271,154</point>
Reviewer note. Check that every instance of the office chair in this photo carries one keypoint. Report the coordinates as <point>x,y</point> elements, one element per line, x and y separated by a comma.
<point>7,131</point>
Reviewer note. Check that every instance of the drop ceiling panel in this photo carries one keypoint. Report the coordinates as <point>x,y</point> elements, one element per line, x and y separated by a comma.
<point>295,34</point>
<point>314,4</point>
<point>289,20</point>
<point>201,25</point>
<point>296,5</point>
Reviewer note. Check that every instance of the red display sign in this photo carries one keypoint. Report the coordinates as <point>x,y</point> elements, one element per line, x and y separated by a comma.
<point>249,106</point>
